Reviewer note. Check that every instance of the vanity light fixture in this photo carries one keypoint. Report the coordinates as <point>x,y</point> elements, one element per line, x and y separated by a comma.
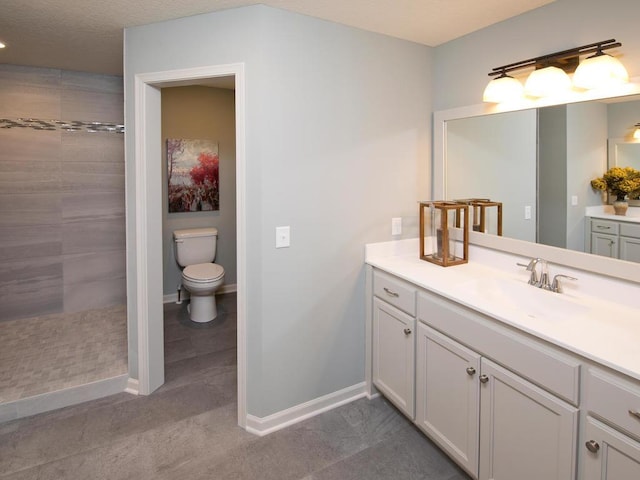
<point>636,133</point>
<point>550,76</point>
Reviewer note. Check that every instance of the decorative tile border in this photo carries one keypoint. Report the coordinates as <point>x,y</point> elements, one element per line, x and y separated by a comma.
<point>62,125</point>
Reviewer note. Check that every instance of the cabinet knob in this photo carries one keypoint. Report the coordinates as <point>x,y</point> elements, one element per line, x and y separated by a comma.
<point>471,371</point>
<point>592,446</point>
<point>407,331</point>
<point>483,379</point>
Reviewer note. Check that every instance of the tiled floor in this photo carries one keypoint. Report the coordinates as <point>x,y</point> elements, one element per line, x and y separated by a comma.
<point>187,429</point>
<point>52,352</point>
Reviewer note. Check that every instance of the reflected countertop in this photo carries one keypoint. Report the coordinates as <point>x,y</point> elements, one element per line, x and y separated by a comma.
<point>606,212</point>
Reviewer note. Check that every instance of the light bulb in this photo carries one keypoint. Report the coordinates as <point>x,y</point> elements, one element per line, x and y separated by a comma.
<point>547,82</point>
<point>503,89</point>
<point>600,71</point>
<point>636,134</point>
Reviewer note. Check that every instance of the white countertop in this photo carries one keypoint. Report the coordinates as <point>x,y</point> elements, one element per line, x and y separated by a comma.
<point>606,212</point>
<point>578,320</point>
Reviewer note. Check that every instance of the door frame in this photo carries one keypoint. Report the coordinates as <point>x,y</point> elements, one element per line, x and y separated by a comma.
<point>144,281</point>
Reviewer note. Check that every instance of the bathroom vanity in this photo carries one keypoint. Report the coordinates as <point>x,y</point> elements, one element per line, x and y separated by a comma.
<point>510,380</point>
<point>613,235</point>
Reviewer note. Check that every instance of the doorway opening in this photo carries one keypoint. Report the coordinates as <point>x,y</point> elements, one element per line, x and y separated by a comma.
<point>145,266</point>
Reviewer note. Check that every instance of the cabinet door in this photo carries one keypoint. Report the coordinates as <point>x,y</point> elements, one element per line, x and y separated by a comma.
<point>605,245</point>
<point>447,395</point>
<point>394,355</point>
<point>608,454</point>
<point>630,249</point>
<point>526,433</point>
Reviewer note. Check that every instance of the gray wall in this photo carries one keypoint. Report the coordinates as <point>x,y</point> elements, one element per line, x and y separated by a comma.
<point>337,143</point>
<point>62,209</point>
<point>202,113</point>
<point>461,66</point>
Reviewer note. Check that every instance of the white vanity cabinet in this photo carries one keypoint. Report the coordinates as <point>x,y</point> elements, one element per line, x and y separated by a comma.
<point>448,395</point>
<point>502,401</point>
<point>393,350</point>
<point>630,241</point>
<point>611,449</point>
<point>615,239</point>
<point>492,421</point>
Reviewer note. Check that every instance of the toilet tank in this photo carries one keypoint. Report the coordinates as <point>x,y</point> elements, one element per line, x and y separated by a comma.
<point>195,245</point>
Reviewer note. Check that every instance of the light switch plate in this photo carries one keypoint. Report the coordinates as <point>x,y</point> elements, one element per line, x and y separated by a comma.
<point>527,212</point>
<point>283,237</point>
<point>396,226</point>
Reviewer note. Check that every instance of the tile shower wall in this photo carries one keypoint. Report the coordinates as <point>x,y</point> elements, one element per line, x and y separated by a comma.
<point>62,206</point>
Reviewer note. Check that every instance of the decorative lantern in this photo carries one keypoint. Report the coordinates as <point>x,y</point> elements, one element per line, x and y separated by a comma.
<point>438,235</point>
<point>479,218</point>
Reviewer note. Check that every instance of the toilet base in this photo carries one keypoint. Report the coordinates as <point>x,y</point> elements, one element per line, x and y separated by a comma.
<point>202,309</point>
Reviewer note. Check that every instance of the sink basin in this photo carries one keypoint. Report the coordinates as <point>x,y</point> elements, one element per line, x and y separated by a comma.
<point>522,299</point>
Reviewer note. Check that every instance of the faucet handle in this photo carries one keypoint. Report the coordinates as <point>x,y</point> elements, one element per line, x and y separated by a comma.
<point>531,267</point>
<point>555,285</point>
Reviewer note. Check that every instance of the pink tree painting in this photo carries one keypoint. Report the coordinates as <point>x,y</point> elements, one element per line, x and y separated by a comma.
<point>193,175</point>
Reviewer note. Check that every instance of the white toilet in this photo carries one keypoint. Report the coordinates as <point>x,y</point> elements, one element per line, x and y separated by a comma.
<point>195,250</point>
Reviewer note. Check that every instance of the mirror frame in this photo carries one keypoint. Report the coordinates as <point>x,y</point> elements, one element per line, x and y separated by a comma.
<point>583,261</point>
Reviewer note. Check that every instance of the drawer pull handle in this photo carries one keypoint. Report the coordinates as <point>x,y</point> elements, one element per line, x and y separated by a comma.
<point>391,293</point>
<point>407,331</point>
<point>592,446</point>
<point>635,413</point>
<point>471,371</point>
<point>483,379</point>
<point>602,227</point>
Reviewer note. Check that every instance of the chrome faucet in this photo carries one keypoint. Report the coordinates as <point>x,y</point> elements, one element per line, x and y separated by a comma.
<point>543,283</point>
<point>543,280</point>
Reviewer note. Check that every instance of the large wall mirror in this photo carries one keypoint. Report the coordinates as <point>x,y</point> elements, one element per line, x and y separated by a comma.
<point>538,162</point>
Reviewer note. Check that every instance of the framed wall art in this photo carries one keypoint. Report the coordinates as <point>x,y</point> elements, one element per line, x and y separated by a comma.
<point>193,175</point>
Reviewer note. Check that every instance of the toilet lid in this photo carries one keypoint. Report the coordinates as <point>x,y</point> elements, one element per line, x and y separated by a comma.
<point>203,272</point>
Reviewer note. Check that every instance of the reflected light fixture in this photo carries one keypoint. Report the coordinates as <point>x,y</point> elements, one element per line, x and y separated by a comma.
<point>550,76</point>
<point>636,134</point>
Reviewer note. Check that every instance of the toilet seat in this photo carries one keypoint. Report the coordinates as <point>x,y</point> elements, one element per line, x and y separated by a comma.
<point>203,272</point>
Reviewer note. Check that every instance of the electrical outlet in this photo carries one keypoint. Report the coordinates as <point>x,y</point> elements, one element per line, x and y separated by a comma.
<point>574,200</point>
<point>283,237</point>
<point>396,226</point>
<point>527,212</point>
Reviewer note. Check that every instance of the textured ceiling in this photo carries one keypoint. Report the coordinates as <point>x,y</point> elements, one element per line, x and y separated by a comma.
<point>87,35</point>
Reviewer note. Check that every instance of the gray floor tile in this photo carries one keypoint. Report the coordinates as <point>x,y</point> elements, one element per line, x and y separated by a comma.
<point>188,429</point>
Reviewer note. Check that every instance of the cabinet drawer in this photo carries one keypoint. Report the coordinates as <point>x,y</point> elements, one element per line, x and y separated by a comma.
<point>549,369</point>
<point>604,226</point>
<point>630,229</point>
<point>614,400</point>
<point>397,292</point>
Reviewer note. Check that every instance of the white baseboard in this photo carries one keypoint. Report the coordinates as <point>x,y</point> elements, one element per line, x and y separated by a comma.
<point>173,297</point>
<point>266,425</point>
<point>133,386</point>
<point>46,402</point>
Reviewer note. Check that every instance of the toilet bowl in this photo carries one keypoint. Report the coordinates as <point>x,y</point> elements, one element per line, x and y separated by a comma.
<point>195,250</point>
<point>201,281</point>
